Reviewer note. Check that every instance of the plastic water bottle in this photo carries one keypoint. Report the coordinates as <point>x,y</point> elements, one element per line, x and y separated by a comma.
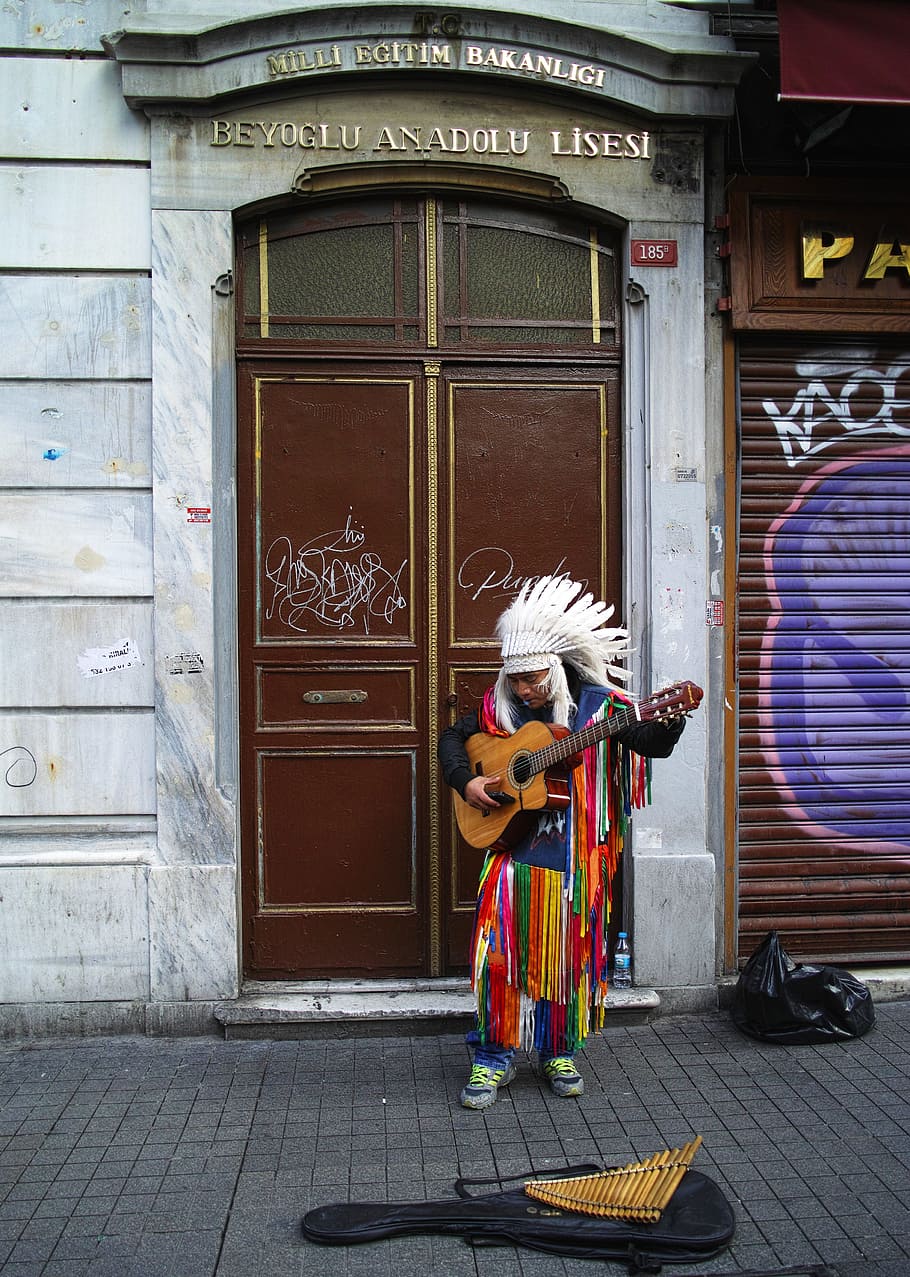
<point>622,963</point>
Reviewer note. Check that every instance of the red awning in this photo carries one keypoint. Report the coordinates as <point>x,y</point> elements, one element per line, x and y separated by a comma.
<point>845,50</point>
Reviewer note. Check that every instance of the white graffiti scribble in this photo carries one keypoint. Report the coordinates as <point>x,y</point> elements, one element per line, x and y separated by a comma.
<point>492,568</point>
<point>805,428</point>
<point>332,580</point>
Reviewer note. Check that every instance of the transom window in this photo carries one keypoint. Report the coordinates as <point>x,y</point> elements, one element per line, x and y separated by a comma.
<point>449,273</point>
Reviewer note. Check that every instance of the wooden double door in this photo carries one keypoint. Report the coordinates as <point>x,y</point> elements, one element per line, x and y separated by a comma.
<point>389,511</point>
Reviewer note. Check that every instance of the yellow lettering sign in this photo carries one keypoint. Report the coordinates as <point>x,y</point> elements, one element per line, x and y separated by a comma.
<point>884,258</point>
<point>820,246</point>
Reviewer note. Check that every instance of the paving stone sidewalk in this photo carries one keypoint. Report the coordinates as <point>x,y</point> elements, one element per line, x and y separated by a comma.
<point>136,1157</point>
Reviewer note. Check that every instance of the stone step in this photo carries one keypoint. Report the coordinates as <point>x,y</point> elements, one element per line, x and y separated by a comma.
<point>356,1008</point>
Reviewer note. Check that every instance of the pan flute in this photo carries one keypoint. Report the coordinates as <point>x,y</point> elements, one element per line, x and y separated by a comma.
<point>639,1191</point>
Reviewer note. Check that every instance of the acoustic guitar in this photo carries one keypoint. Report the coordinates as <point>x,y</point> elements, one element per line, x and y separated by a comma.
<point>535,763</point>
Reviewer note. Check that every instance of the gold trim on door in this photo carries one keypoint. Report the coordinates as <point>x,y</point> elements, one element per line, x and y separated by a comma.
<point>432,368</point>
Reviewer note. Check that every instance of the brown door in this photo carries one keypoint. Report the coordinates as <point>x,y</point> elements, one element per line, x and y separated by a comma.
<point>532,487</point>
<point>388,516</point>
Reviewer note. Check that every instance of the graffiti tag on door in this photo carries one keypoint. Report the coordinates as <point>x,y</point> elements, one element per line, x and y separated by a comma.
<point>332,580</point>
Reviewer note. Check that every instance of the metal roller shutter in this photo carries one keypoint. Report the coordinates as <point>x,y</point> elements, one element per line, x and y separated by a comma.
<point>823,649</point>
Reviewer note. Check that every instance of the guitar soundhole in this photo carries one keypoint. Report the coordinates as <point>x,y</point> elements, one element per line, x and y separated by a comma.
<point>520,770</point>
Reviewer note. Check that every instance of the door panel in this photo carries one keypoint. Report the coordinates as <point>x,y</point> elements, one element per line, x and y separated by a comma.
<point>333,856</point>
<point>533,484</point>
<point>526,487</point>
<point>322,853</point>
<point>389,514</point>
<point>333,696</point>
<point>336,505</point>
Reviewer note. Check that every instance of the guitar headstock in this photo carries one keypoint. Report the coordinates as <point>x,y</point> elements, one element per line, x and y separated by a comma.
<point>680,698</point>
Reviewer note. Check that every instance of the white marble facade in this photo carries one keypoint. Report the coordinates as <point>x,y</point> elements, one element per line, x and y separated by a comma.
<point>118,857</point>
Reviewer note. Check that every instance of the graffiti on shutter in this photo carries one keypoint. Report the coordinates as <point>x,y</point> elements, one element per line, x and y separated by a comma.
<point>824,649</point>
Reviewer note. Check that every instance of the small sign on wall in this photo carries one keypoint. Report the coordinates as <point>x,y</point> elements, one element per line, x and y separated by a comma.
<point>714,612</point>
<point>108,660</point>
<point>654,252</point>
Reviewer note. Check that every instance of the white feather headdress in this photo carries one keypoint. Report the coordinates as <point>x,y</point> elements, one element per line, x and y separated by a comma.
<point>549,624</point>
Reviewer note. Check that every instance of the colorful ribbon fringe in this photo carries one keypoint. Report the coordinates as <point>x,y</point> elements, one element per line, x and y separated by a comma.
<point>539,947</point>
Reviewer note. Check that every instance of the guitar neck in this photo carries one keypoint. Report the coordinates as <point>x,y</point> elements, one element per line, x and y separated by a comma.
<point>575,742</point>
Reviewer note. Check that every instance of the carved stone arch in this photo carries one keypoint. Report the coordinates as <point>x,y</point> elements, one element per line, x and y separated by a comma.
<point>686,73</point>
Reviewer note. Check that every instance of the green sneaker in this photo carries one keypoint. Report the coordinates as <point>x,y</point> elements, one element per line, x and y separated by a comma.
<point>565,1080</point>
<point>483,1084</point>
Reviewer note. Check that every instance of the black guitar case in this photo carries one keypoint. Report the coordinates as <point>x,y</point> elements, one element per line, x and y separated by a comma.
<point>696,1224</point>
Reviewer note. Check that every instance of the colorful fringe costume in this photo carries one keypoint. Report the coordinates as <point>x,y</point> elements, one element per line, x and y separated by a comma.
<point>539,946</point>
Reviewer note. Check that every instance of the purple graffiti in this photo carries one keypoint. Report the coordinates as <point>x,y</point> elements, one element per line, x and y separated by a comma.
<point>835,696</point>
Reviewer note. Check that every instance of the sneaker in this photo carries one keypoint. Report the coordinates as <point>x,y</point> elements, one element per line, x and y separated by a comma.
<point>483,1084</point>
<point>564,1078</point>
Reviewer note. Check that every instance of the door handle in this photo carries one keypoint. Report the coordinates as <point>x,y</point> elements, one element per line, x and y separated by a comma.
<point>335,696</point>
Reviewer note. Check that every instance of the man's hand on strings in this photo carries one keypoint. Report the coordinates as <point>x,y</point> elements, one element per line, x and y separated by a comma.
<point>475,792</point>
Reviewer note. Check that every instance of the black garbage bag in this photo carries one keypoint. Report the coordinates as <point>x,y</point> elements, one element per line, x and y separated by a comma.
<point>779,1000</point>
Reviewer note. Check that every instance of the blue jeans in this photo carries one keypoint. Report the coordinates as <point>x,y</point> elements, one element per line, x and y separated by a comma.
<point>500,1057</point>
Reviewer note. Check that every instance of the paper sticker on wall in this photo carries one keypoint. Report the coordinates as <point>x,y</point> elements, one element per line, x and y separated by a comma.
<point>108,660</point>
<point>184,663</point>
<point>198,514</point>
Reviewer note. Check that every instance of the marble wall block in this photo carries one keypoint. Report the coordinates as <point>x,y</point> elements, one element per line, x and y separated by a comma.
<point>674,919</point>
<point>76,434</point>
<point>193,933</point>
<point>76,934</point>
<point>75,543</point>
<point>67,109</point>
<point>75,326</point>
<point>30,841</point>
<point>49,26</point>
<point>665,487</point>
<point>74,217</point>
<point>91,763</point>
<point>49,648</point>
<point>638,15</point>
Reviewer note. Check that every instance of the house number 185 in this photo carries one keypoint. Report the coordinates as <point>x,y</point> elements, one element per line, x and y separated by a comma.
<point>654,252</point>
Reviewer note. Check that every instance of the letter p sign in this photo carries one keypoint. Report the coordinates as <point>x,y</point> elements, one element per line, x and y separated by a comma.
<point>820,246</point>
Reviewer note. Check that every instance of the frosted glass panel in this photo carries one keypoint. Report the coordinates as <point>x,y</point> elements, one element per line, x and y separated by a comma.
<point>517,276</point>
<point>349,271</point>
